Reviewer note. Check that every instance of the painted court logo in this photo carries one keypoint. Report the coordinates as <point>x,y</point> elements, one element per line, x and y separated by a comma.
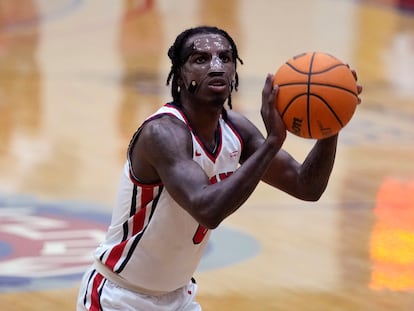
<point>50,245</point>
<point>45,244</point>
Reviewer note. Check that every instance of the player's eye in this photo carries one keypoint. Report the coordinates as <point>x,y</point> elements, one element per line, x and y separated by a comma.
<point>201,59</point>
<point>225,58</point>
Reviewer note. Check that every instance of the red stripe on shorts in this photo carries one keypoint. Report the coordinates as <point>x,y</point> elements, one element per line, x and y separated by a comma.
<point>95,302</point>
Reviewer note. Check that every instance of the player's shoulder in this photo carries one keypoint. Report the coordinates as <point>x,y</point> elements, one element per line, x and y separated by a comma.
<point>163,125</point>
<point>239,120</point>
<point>247,130</point>
<point>235,117</point>
<point>162,138</point>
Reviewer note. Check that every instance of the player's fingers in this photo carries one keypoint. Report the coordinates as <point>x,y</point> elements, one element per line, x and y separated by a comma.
<point>353,72</point>
<point>268,94</point>
<point>268,84</point>
<point>273,94</point>
<point>359,88</point>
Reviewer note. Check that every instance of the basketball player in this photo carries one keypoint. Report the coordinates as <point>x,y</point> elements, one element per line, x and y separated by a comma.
<point>189,166</point>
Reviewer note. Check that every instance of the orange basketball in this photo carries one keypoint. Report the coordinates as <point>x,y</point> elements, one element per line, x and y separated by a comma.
<point>317,94</point>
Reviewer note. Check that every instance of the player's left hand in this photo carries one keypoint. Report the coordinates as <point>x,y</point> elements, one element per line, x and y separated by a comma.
<point>359,86</point>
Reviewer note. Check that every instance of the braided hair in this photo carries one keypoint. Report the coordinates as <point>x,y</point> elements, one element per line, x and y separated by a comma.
<point>175,53</point>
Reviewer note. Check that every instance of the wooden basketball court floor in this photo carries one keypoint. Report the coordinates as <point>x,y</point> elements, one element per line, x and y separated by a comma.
<point>78,76</point>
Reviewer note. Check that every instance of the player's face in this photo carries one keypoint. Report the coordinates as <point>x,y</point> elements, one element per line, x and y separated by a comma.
<point>210,63</point>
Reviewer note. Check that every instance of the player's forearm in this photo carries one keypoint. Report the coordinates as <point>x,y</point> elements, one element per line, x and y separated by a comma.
<point>317,167</point>
<point>226,197</point>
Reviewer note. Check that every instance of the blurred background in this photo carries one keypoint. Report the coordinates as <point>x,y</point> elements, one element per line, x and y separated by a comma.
<point>77,77</point>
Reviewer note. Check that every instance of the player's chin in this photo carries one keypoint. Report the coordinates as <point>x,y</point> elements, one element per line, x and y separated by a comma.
<point>212,97</point>
<point>219,99</point>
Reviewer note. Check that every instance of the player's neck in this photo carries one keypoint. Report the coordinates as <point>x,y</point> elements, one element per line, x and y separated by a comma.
<point>204,120</point>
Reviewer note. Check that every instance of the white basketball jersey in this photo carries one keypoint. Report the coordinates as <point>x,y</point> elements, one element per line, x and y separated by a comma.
<point>152,242</point>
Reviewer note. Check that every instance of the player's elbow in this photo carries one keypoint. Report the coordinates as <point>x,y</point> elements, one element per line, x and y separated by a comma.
<point>209,222</point>
<point>314,197</point>
<point>209,211</point>
<point>308,191</point>
<point>313,194</point>
<point>207,217</point>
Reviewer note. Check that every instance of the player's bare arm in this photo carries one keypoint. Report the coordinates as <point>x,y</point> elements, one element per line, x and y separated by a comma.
<point>170,156</point>
<point>307,180</point>
<point>159,155</point>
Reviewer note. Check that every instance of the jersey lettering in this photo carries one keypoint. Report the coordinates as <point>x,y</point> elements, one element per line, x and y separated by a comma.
<point>201,231</point>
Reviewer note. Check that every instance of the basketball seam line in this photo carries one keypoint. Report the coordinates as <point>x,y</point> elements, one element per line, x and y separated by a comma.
<point>321,98</point>
<point>290,103</point>
<point>316,72</point>
<point>318,84</point>
<point>308,91</point>
<point>329,107</point>
<point>311,94</point>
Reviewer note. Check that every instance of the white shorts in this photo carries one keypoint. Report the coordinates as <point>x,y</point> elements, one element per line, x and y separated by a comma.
<point>98,293</point>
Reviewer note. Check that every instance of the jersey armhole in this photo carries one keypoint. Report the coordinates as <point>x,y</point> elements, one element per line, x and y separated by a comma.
<point>134,179</point>
<point>139,183</point>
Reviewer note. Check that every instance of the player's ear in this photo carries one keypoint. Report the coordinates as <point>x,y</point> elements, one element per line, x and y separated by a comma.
<point>179,82</point>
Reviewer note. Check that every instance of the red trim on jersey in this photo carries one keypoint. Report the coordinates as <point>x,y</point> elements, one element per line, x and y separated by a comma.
<point>132,177</point>
<point>140,184</point>
<point>115,255</point>
<point>220,142</point>
<point>181,113</point>
<point>139,218</point>
<point>210,155</point>
<point>138,223</point>
<point>95,302</point>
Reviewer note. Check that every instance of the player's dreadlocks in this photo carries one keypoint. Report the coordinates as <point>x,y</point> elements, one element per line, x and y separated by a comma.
<point>175,53</point>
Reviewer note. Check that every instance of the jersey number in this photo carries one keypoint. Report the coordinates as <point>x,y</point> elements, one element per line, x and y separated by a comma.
<point>199,234</point>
